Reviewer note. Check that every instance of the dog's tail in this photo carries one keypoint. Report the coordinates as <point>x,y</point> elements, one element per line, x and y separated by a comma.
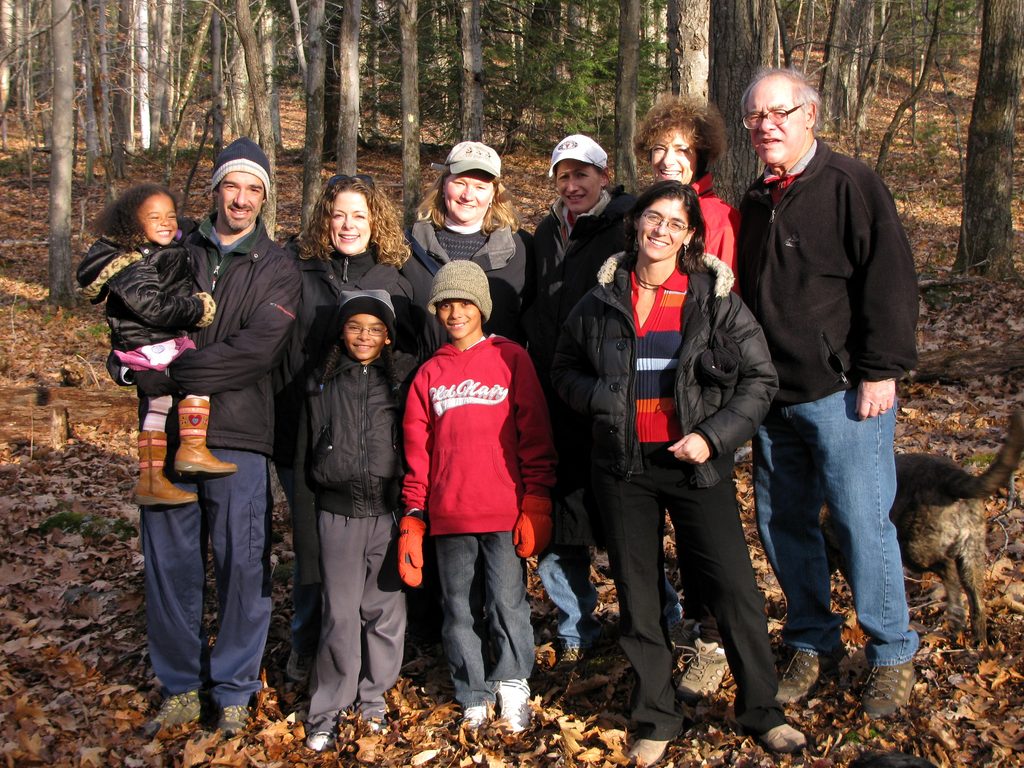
<point>967,486</point>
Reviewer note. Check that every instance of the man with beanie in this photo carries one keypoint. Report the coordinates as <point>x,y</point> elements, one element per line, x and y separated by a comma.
<point>481,464</point>
<point>256,287</point>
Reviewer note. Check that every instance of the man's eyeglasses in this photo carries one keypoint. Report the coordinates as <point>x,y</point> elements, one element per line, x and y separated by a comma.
<point>366,178</point>
<point>655,220</point>
<point>354,329</point>
<point>775,116</point>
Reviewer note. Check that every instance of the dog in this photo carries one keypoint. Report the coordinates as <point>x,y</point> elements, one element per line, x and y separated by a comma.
<point>940,523</point>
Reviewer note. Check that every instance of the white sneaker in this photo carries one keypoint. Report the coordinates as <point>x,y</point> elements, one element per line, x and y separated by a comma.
<point>514,700</point>
<point>319,741</point>
<point>475,716</point>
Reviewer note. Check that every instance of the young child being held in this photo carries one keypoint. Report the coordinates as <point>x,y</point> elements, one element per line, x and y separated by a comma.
<point>143,273</point>
<point>481,465</point>
<point>356,464</point>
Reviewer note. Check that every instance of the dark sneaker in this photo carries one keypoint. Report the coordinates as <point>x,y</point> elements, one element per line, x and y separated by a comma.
<point>233,719</point>
<point>175,710</point>
<point>804,673</point>
<point>705,670</point>
<point>888,689</point>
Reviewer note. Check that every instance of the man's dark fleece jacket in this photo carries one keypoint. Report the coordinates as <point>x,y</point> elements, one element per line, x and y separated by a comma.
<point>257,295</point>
<point>829,274</point>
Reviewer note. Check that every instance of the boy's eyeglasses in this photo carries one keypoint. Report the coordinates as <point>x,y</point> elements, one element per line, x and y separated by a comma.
<point>354,329</point>
<point>775,116</point>
<point>366,178</point>
<point>655,220</point>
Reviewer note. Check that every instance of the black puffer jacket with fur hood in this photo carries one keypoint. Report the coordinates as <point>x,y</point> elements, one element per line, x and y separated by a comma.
<point>595,365</point>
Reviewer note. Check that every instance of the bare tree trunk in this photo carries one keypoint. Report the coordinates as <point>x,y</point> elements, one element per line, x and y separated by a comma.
<point>122,121</point>
<point>348,115</point>
<point>626,84</point>
<point>986,228</point>
<point>217,81</point>
<point>266,28</point>
<point>142,54</point>
<point>300,51</point>
<point>92,141</point>
<point>742,35</point>
<point>61,157</point>
<point>261,105</point>
<point>832,88</point>
<point>6,51</point>
<point>313,151</point>
<point>692,32</point>
<point>161,60</point>
<point>407,17</point>
<point>911,100</point>
<point>472,71</point>
<point>186,91</point>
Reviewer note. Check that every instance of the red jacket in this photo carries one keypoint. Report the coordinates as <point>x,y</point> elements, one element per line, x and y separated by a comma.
<point>477,438</point>
<point>721,223</point>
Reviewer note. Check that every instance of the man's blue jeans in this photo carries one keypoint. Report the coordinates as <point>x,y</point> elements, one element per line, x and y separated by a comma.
<point>816,453</point>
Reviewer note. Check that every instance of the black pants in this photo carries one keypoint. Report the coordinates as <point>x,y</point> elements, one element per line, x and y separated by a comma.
<point>710,537</point>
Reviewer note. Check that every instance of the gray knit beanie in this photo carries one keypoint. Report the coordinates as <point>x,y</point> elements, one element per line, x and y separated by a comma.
<point>242,154</point>
<point>464,280</point>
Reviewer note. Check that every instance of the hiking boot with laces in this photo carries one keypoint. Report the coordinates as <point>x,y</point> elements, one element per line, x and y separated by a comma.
<point>804,673</point>
<point>704,672</point>
<point>175,710</point>
<point>514,699</point>
<point>888,689</point>
<point>684,634</point>
<point>233,719</point>
<point>569,656</point>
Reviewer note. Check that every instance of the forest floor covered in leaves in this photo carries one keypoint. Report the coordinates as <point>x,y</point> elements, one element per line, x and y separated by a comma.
<point>75,681</point>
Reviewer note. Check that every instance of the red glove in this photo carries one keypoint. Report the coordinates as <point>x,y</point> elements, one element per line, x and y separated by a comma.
<point>532,531</point>
<point>410,549</point>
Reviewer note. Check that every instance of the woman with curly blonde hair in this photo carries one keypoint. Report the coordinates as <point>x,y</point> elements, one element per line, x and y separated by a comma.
<point>352,242</point>
<point>680,138</point>
<point>468,214</point>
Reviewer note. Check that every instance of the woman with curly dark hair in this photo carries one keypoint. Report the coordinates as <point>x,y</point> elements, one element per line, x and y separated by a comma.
<point>352,242</point>
<point>674,373</point>
<point>139,267</point>
<point>681,138</point>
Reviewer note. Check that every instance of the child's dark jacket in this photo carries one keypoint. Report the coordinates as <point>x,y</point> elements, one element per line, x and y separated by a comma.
<point>356,452</point>
<point>150,291</point>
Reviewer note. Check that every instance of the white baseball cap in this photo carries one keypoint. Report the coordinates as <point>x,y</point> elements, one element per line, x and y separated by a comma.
<point>470,156</point>
<point>578,147</point>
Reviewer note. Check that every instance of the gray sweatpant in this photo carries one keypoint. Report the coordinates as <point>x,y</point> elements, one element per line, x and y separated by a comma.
<point>362,637</point>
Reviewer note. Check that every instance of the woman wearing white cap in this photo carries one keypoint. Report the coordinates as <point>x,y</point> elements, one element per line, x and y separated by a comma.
<point>468,214</point>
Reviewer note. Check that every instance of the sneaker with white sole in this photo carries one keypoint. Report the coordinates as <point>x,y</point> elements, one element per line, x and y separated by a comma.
<point>704,672</point>
<point>475,716</point>
<point>319,741</point>
<point>514,703</point>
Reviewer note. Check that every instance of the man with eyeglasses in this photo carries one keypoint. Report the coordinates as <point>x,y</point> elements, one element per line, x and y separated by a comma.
<point>256,287</point>
<point>826,267</point>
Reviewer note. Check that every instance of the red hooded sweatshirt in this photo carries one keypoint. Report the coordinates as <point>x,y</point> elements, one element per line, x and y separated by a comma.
<point>477,438</point>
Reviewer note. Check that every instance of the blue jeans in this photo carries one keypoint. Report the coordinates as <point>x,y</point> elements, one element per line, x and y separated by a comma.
<point>487,633</point>
<point>564,570</point>
<point>818,453</point>
<point>232,517</point>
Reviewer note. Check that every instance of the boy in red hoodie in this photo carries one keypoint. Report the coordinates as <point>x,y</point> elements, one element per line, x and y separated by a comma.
<point>481,465</point>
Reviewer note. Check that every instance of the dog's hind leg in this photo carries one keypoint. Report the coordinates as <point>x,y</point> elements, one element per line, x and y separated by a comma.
<point>973,579</point>
<point>949,571</point>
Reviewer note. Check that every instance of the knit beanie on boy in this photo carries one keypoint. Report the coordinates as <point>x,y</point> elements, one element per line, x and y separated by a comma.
<point>242,155</point>
<point>373,302</point>
<point>464,280</point>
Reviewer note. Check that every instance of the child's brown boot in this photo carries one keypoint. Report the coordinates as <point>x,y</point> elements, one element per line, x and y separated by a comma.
<point>193,457</point>
<point>153,486</point>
